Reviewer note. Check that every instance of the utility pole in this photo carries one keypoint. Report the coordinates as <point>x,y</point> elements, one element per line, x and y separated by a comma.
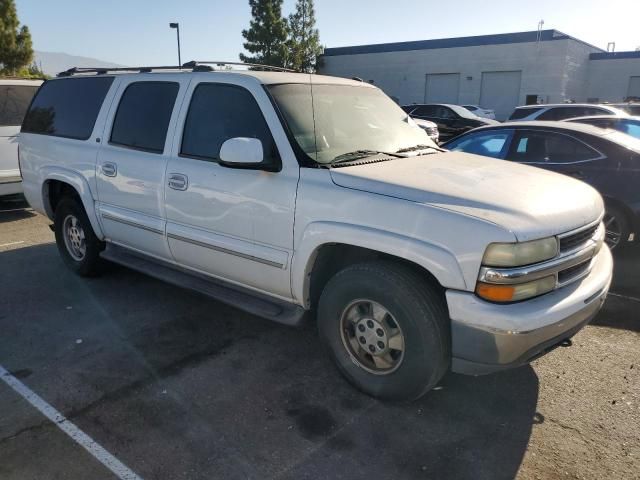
<point>177,27</point>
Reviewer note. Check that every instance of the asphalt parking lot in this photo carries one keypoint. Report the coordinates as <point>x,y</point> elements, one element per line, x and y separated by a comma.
<point>176,386</point>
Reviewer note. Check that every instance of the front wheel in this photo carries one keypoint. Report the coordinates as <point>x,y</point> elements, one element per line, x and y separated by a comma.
<point>386,329</point>
<point>618,227</point>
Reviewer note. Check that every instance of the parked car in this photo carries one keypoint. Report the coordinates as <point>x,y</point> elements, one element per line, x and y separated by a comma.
<point>481,112</point>
<point>257,189</point>
<point>562,111</point>
<point>430,127</point>
<point>15,96</point>
<point>606,159</point>
<point>452,120</point>
<point>632,108</point>
<point>628,125</point>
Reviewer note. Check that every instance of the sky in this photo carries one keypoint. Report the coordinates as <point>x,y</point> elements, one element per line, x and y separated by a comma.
<point>136,32</point>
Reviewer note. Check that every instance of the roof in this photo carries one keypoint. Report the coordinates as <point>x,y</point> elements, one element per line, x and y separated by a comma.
<point>602,117</point>
<point>614,55</point>
<point>264,77</point>
<point>20,81</point>
<point>496,39</point>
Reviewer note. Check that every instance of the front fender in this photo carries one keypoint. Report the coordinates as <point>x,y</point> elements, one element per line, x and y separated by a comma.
<point>80,184</point>
<point>440,262</point>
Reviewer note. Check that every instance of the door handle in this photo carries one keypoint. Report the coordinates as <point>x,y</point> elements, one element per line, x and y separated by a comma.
<point>178,181</point>
<point>109,169</point>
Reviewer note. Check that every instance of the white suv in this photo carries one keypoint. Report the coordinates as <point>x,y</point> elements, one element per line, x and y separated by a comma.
<point>15,96</point>
<point>282,193</point>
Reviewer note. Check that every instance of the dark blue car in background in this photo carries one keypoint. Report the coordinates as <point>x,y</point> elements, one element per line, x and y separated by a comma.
<point>606,159</point>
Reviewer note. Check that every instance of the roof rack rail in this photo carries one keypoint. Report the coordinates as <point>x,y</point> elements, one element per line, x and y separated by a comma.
<point>195,66</point>
<point>105,70</point>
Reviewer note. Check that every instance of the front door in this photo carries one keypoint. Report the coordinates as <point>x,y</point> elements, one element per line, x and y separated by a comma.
<point>234,224</point>
<point>132,161</point>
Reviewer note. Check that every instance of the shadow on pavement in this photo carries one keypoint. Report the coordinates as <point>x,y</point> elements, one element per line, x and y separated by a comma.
<point>175,382</point>
<point>14,208</point>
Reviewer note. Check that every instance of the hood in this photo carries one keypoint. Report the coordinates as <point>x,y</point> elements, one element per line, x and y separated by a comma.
<point>530,202</point>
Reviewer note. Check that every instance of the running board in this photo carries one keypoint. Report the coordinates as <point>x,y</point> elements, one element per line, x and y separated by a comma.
<point>241,298</point>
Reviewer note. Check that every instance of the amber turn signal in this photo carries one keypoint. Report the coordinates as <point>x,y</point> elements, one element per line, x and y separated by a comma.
<point>495,293</point>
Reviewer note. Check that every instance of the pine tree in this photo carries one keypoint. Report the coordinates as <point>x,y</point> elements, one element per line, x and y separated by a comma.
<point>16,51</point>
<point>267,34</point>
<point>304,38</point>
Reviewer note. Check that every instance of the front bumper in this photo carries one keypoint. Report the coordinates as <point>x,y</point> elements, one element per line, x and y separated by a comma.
<point>488,337</point>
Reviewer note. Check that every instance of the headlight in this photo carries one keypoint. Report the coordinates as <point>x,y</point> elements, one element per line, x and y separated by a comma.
<point>520,254</point>
<point>513,293</point>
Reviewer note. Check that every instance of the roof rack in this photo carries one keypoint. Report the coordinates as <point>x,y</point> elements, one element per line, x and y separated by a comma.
<point>195,66</point>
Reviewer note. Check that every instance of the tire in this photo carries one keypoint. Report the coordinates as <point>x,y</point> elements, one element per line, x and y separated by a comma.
<point>618,227</point>
<point>79,248</point>
<point>411,303</point>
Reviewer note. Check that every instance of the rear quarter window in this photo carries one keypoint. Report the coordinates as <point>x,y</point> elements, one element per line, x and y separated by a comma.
<point>519,113</point>
<point>14,101</point>
<point>67,107</point>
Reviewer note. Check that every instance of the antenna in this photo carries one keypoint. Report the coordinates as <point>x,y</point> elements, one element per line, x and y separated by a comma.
<point>539,35</point>
<point>611,47</point>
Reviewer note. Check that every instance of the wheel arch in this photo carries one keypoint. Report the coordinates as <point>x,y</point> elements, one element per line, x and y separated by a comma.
<point>634,221</point>
<point>58,183</point>
<point>327,247</point>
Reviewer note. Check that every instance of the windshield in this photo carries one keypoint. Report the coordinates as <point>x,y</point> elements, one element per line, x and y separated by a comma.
<point>329,121</point>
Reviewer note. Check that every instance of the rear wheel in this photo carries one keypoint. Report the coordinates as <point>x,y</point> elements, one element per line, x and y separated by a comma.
<point>75,238</point>
<point>386,328</point>
<point>618,227</point>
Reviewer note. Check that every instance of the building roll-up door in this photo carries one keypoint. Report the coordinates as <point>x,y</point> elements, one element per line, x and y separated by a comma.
<point>500,91</point>
<point>634,87</point>
<point>442,88</point>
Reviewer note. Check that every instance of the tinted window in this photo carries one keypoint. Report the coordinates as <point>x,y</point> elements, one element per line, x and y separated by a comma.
<point>490,144</point>
<point>14,101</point>
<point>519,113</point>
<point>540,147</point>
<point>562,113</point>
<point>426,111</point>
<point>408,108</point>
<point>444,112</point>
<point>220,112</point>
<point>586,111</point>
<point>142,119</point>
<point>67,107</point>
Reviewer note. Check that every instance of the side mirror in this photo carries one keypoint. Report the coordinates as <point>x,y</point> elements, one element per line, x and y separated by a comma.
<point>242,152</point>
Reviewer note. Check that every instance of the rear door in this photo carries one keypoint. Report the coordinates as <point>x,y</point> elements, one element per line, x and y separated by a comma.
<point>14,101</point>
<point>231,223</point>
<point>133,158</point>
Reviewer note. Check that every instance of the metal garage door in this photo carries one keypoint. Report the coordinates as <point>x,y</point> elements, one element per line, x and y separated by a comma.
<point>500,91</point>
<point>634,87</point>
<point>442,88</point>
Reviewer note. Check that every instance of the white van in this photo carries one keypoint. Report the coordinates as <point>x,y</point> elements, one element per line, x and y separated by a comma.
<point>15,97</point>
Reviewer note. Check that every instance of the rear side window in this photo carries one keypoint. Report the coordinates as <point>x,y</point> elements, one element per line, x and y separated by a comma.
<point>519,113</point>
<point>426,110</point>
<point>488,144</point>
<point>142,119</point>
<point>562,113</point>
<point>541,147</point>
<point>14,101</point>
<point>67,108</point>
<point>219,112</point>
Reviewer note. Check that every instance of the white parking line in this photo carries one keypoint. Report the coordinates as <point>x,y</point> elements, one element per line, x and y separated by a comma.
<point>625,297</point>
<point>11,243</point>
<point>99,453</point>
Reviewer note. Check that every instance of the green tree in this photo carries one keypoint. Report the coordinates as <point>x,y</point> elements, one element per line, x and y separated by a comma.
<point>267,34</point>
<point>16,51</point>
<point>304,39</point>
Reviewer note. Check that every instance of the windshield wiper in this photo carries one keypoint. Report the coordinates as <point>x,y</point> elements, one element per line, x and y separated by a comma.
<point>359,154</point>
<point>415,148</point>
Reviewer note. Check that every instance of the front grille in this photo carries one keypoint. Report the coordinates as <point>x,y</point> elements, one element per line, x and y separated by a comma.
<point>571,273</point>
<point>576,240</point>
